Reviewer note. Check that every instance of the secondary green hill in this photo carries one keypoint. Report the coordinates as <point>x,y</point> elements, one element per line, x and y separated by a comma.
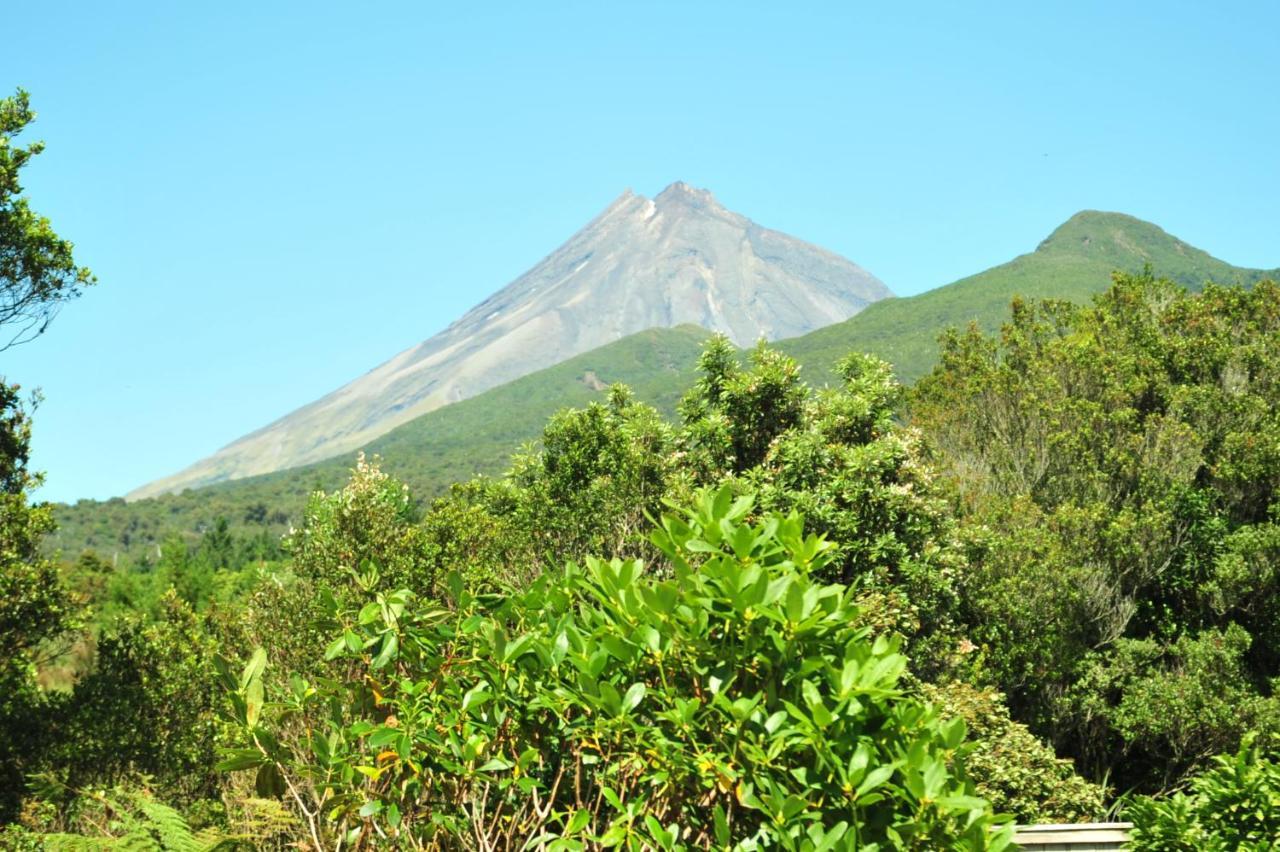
<point>477,436</point>
<point>1073,263</point>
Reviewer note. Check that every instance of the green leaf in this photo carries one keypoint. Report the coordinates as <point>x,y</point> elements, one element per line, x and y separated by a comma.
<point>269,783</point>
<point>517,647</point>
<point>369,613</point>
<point>334,648</point>
<point>740,507</point>
<point>633,697</point>
<point>649,637</point>
<point>962,803</point>
<point>953,733</point>
<point>829,839</point>
<point>560,647</point>
<point>253,699</point>
<point>656,831</point>
<point>383,737</point>
<point>721,823</point>
<point>254,668</point>
<point>475,697</point>
<point>240,759</point>
<point>617,648</point>
<point>874,779</point>
<point>722,503</point>
<point>578,821</point>
<point>387,652</point>
<point>794,602</point>
<point>612,700</point>
<point>792,806</point>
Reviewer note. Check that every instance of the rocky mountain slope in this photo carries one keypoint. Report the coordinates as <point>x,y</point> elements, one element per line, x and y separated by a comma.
<point>678,258</point>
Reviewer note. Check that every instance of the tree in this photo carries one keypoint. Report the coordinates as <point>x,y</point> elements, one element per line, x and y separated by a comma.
<point>1117,470</point>
<point>37,271</point>
<point>1011,767</point>
<point>148,707</point>
<point>838,457</point>
<point>599,472</point>
<point>37,274</point>
<point>732,415</point>
<point>34,607</point>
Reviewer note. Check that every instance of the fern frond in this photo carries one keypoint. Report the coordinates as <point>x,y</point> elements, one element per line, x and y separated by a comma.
<point>139,839</point>
<point>212,840</point>
<point>174,833</point>
<point>76,843</point>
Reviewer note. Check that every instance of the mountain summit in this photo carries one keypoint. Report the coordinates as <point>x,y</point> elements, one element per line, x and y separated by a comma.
<point>678,258</point>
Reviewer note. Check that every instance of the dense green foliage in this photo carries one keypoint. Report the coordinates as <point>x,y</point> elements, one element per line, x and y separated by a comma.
<point>128,820</point>
<point>37,274</point>
<point>1080,517</point>
<point>1116,469</point>
<point>36,611</point>
<point>1233,807</point>
<point>1015,770</point>
<point>728,700</point>
<point>836,456</point>
<point>147,706</point>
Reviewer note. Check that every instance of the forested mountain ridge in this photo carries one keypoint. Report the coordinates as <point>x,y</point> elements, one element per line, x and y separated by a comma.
<point>451,444</point>
<point>678,258</point>
<point>477,436</point>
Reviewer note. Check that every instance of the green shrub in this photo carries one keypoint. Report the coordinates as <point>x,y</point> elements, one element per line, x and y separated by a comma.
<point>1185,700</point>
<point>370,518</point>
<point>727,701</point>
<point>1011,767</point>
<point>36,612</point>
<point>867,483</point>
<point>149,706</point>
<point>1232,807</point>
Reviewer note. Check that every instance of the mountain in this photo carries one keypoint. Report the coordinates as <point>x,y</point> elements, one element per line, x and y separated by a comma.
<point>679,258</point>
<point>1073,263</point>
<point>478,435</point>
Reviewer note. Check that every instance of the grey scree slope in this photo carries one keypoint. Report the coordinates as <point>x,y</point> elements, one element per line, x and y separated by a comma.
<point>678,258</point>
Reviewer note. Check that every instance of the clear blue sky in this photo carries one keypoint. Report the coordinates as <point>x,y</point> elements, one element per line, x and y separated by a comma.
<point>276,197</point>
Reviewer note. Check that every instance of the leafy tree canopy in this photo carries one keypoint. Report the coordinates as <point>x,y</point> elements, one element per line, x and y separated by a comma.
<point>37,271</point>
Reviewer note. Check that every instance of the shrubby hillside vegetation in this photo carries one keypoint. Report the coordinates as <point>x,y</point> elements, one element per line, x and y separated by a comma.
<point>854,616</point>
